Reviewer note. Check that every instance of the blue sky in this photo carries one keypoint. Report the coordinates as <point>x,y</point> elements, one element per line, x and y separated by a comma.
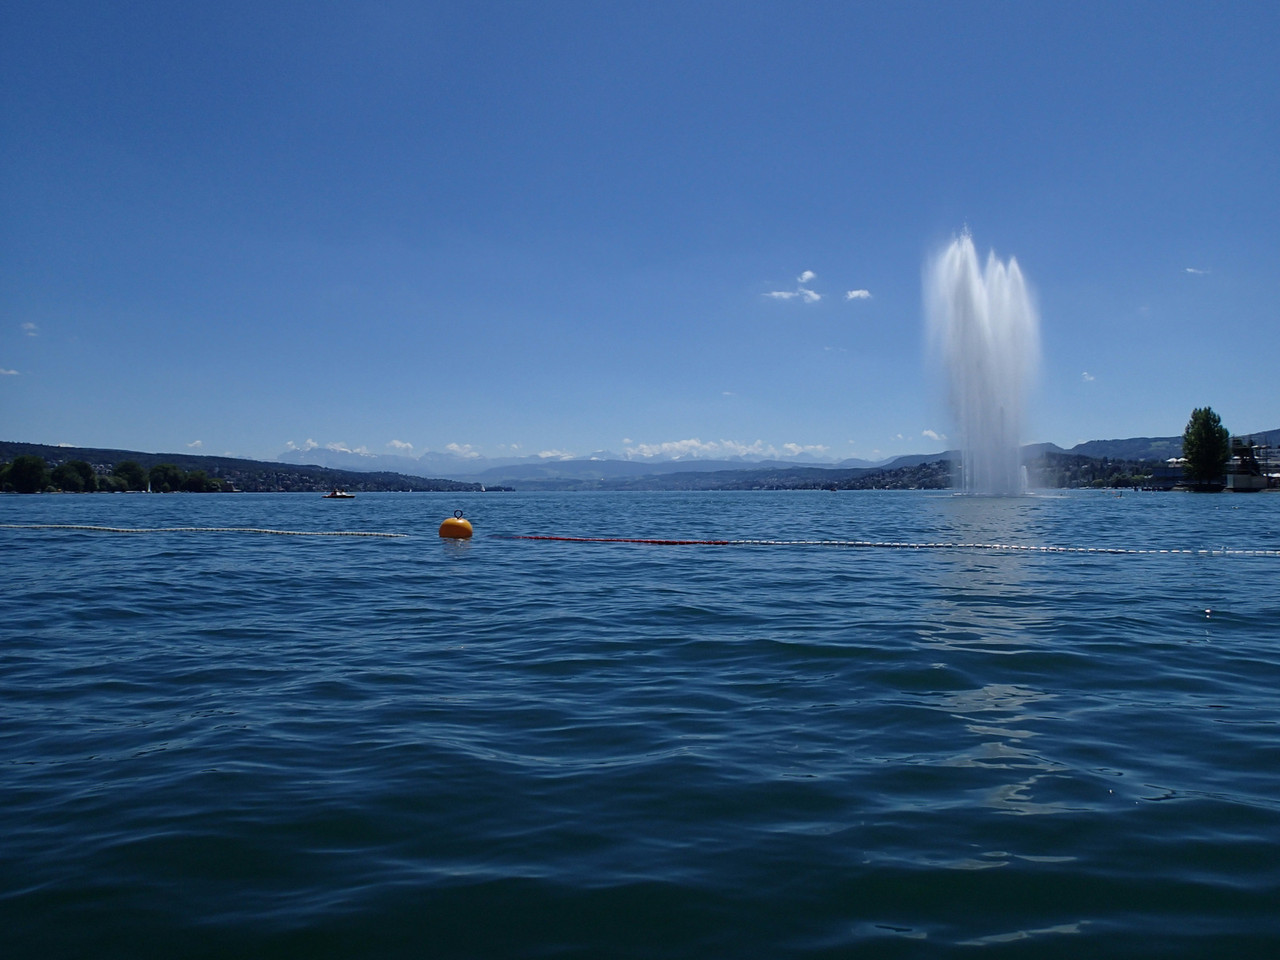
<point>516,228</point>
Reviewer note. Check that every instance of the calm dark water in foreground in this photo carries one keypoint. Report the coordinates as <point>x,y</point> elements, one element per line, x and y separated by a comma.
<point>239,744</point>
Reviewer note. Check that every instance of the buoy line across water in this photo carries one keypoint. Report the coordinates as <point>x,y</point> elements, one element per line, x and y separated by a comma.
<point>279,533</point>
<point>653,541</point>
<point>905,545</point>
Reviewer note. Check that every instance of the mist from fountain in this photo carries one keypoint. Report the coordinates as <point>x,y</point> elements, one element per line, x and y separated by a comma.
<point>984,326</point>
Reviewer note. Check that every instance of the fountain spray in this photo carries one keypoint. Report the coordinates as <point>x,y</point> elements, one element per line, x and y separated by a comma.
<point>985,326</point>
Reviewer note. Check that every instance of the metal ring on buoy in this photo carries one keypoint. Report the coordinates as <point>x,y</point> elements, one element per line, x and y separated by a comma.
<point>455,528</point>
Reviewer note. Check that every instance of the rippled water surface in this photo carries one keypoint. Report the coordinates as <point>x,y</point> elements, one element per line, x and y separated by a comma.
<point>244,744</point>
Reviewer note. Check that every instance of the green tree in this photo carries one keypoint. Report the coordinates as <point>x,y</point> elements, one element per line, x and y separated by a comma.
<point>197,481</point>
<point>29,474</point>
<point>132,473</point>
<point>166,477</point>
<point>1206,447</point>
<point>112,484</point>
<point>66,478</point>
<point>75,476</point>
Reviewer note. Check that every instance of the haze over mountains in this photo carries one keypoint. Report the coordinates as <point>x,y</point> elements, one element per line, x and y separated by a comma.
<point>606,465</point>
<point>599,464</point>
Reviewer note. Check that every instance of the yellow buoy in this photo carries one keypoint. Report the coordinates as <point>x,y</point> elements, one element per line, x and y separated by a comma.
<point>455,528</point>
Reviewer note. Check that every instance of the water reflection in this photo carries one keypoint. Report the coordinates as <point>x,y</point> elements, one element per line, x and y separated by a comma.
<point>1018,521</point>
<point>1000,720</point>
<point>987,598</point>
<point>994,602</point>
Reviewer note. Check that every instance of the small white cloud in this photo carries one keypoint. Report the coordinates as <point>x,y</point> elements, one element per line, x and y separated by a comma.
<point>343,448</point>
<point>400,445</point>
<point>801,291</point>
<point>555,454</point>
<point>30,329</point>
<point>723,393</point>
<point>464,450</point>
<point>898,436</point>
<point>308,445</point>
<point>933,435</point>
<point>858,295</point>
<point>8,373</point>
<point>796,449</point>
<point>694,448</point>
<point>1196,271</point>
<point>1087,377</point>
<point>195,444</point>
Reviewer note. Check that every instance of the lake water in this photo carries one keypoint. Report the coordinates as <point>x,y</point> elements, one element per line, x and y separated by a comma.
<point>242,744</point>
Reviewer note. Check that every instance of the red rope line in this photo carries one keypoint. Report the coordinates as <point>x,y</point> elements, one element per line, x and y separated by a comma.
<point>665,543</point>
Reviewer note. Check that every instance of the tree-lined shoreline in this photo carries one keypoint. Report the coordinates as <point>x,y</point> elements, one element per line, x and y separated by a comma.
<point>37,468</point>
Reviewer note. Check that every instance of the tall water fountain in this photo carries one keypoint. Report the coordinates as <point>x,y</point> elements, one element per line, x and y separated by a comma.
<point>984,326</point>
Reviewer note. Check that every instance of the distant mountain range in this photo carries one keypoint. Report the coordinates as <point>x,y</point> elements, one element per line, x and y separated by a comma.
<point>606,467</point>
<point>600,465</point>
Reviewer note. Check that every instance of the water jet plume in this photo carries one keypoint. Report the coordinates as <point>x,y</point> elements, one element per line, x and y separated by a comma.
<point>984,326</point>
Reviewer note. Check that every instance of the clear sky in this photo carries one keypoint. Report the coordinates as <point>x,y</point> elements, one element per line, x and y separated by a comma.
<point>519,227</point>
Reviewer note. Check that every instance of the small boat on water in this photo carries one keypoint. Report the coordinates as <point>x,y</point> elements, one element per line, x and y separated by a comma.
<point>339,495</point>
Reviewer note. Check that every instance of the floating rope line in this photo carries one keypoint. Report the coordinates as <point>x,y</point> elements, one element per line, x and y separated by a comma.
<point>863,544</point>
<point>900,545</point>
<point>278,533</point>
